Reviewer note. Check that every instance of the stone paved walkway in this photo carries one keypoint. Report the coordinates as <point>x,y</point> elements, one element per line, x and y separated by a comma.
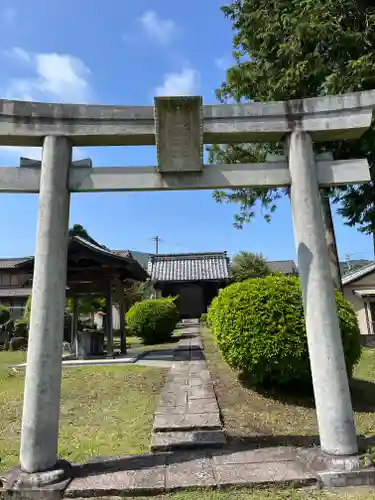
<point>188,415</point>
<point>166,472</point>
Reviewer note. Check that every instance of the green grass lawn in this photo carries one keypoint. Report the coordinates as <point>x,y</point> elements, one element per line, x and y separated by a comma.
<point>105,411</point>
<point>135,345</point>
<point>250,416</point>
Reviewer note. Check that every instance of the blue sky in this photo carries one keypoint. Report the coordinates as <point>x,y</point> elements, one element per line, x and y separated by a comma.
<point>120,52</point>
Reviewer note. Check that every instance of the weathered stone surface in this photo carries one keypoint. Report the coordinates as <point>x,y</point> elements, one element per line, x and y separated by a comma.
<point>201,392</point>
<point>261,455</point>
<point>289,472</point>
<point>179,133</point>
<point>336,479</point>
<point>151,480</point>
<point>162,441</point>
<point>185,473</point>
<point>171,409</point>
<point>208,405</point>
<point>172,421</point>
<point>171,399</point>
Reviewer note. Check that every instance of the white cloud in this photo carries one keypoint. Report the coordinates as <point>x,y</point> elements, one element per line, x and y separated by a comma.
<point>60,77</point>
<point>184,83</point>
<point>8,15</point>
<point>18,54</point>
<point>159,30</point>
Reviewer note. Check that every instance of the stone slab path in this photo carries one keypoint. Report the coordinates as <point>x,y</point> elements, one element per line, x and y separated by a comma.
<point>188,415</point>
<point>166,472</point>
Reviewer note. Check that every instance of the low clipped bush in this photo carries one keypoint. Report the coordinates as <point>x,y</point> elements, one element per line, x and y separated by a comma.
<point>4,315</point>
<point>21,328</point>
<point>153,320</point>
<point>260,330</point>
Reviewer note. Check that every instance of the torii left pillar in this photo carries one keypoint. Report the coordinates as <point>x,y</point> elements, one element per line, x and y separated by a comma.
<point>41,408</point>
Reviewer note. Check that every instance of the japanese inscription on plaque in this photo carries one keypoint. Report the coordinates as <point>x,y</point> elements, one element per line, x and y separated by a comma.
<point>179,134</point>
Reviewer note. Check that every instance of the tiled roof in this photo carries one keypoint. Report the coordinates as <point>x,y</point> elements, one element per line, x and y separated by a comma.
<point>12,263</point>
<point>189,267</point>
<point>358,273</point>
<point>15,292</point>
<point>349,266</point>
<point>140,257</point>
<point>283,266</point>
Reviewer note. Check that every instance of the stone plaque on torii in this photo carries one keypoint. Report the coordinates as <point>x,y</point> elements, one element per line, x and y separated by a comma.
<point>179,127</point>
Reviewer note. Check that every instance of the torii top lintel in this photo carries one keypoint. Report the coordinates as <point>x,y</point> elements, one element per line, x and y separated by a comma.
<point>346,116</point>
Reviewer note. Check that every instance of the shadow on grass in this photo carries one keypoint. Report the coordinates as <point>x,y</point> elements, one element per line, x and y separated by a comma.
<point>362,392</point>
<point>299,441</point>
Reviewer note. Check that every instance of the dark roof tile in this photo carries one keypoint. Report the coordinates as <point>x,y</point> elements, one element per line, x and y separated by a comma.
<point>12,262</point>
<point>189,267</point>
<point>283,266</point>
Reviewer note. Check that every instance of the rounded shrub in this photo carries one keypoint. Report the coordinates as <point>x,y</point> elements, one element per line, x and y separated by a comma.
<point>21,328</point>
<point>4,315</point>
<point>153,320</point>
<point>260,330</point>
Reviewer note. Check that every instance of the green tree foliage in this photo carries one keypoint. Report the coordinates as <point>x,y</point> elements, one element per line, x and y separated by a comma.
<point>136,291</point>
<point>79,230</point>
<point>153,320</point>
<point>260,330</point>
<point>4,315</point>
<point>249,265</point>
<point>27,311</point>
<point>286,49</point>
<point>87,305</point>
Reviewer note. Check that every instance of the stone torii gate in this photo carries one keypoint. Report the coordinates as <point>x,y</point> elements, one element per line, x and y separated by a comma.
<point>180,127</point>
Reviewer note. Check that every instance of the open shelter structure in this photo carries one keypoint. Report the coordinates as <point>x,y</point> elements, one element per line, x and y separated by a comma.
<point>179,127</point>
<point>95,271</point>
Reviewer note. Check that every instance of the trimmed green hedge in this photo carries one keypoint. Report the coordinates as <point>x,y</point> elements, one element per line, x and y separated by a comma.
<point>260,330</point>
<point>4,315</point>
<point>153,320</point>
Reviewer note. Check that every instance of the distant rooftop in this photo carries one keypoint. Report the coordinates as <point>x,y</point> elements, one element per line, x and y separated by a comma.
<point>13,262</point>
<point>213,266</point>
<point>140,257</point>
<point>283,266</point>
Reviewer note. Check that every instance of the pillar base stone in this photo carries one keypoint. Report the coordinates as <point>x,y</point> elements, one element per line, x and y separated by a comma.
<point>46,485</point>
<point>340,471</point>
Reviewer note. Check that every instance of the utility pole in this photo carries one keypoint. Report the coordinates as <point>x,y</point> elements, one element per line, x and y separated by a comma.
<point>157,241</point>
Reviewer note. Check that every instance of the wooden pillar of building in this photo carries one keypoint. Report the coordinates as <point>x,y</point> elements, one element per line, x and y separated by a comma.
<point>74,324</point>
<point>122,322</point>
<point>109,321</point>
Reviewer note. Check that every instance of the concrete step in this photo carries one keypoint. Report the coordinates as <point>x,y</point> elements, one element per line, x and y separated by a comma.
<point>167,441</point>
<point>174,422</point>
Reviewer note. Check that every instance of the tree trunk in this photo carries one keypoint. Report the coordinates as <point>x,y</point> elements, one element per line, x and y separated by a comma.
<point>331,240</point>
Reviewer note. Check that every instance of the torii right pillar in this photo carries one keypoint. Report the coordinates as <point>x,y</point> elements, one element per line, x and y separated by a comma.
<point>331,388</point>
